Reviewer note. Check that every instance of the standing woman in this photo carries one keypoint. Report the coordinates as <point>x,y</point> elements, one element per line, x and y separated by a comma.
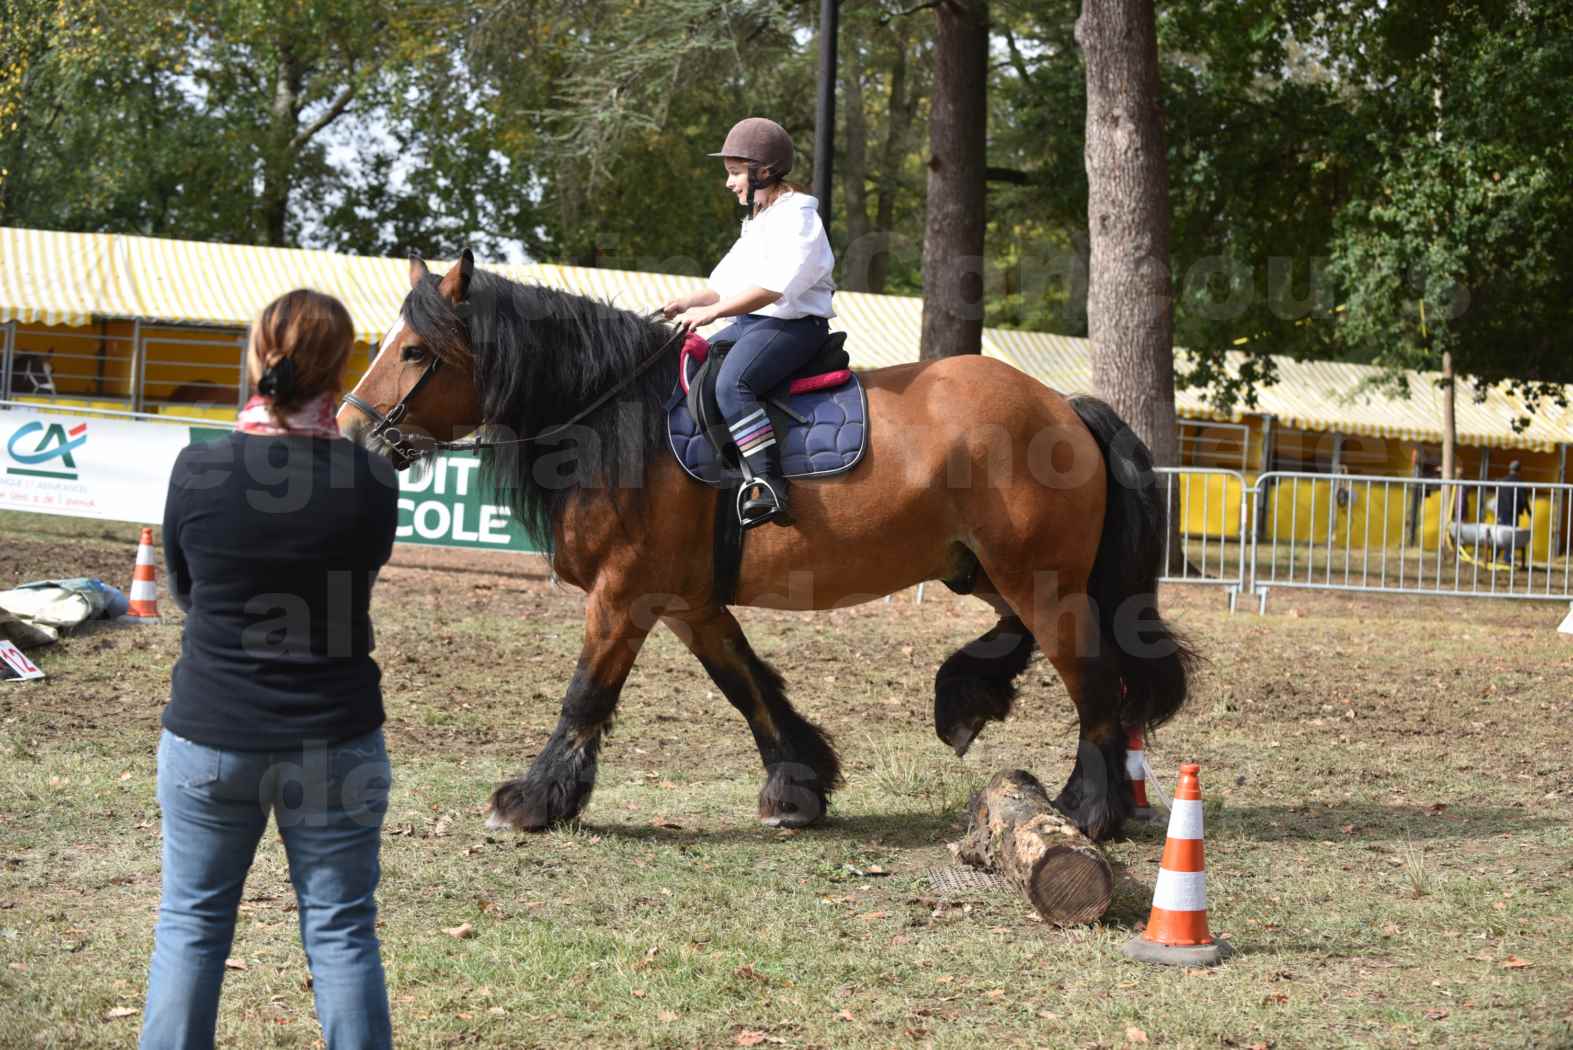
<point>776,282</point>
<point>272,540</point>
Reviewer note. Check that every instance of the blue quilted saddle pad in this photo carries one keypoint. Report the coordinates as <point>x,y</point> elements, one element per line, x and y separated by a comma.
<point>832,441</point>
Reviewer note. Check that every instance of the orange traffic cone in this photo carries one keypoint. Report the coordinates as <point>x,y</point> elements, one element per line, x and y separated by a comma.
<point>144,584</point>
<point>1176,931</point>
<point>1136,771</point>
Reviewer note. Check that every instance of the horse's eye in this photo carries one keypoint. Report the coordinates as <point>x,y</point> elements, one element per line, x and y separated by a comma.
<point>413,354</point>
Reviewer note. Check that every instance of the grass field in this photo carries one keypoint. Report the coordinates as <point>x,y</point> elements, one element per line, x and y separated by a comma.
<point>1389,850</point>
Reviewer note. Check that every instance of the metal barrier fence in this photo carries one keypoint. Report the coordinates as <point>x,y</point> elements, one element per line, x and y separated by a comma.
<point>1210,506</point>
<point>1332,532</point>
<point>1478,539</point>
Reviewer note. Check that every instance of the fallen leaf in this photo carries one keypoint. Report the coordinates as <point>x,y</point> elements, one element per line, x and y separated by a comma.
<point>440,829</point>
<point>119,1012</point>
<point>462,932</point>
<point>667,1016</point>
<point>1275,1000</point>
<point>747,1038</point>
<point>234,964</point>
<point>1048,1015</point>
<point>873,915</point>
<point>662,822</point>
<point>1135,1035</point>
<point>846,1015</point>
<point>994,993</point>
<point>498,1011</point>
<point>1513,962</point>
<point>639,993</point>
<point>1436,1015</point>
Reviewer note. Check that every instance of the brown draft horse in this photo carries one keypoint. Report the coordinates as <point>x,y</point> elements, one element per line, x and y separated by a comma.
<point>976,475</point>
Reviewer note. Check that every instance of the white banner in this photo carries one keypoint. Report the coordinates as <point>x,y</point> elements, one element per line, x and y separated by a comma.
<point>87,466</point>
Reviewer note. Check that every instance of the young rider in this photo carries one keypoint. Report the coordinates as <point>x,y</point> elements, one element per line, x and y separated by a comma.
<point>776,282</point>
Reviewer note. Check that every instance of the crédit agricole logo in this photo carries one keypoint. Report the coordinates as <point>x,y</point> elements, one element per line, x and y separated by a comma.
<point>44,450</point>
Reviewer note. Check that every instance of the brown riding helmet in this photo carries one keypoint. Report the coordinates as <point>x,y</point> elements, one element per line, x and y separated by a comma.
<point>762,141</point>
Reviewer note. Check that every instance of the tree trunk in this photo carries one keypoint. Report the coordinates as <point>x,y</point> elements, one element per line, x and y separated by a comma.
<point>276,162</point>
<point>1130,311</point>
<point>898,131</point>
<point>860,242</point>
<point>1130,297</point>
<point>953,236</point>
<point>1016,831</point>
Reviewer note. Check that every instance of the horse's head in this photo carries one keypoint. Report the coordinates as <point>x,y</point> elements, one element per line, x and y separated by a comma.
<point>420,386</point>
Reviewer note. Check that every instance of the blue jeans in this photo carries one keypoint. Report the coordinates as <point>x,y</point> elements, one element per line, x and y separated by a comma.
<point>767,350</point>
<point>329,801</point>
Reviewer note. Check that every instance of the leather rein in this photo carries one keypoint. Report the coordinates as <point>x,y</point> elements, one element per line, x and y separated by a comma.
<point>385,428</point>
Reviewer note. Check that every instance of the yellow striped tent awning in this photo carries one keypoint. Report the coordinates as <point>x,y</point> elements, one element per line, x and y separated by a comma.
<point>57,278</point>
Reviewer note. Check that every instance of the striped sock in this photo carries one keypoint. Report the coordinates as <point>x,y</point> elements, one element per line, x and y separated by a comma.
<point>753,433</point>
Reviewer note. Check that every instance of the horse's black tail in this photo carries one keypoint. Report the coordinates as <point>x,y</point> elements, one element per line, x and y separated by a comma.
<point>1152,661</point>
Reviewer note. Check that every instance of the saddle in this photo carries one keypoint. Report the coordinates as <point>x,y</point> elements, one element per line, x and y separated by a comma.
<point>819,415</point>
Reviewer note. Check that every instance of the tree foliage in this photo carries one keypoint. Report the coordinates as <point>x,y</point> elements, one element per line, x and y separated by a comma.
<point>1374,182</point>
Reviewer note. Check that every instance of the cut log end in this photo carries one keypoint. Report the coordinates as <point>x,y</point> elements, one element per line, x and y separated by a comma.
<point>1017,832</point>
<point>1070,886</point>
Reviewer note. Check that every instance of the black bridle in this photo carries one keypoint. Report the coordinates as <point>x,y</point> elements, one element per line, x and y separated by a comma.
<point>385,428</point>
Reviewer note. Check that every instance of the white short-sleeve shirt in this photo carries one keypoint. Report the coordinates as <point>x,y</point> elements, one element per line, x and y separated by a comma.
<point>783,249</point>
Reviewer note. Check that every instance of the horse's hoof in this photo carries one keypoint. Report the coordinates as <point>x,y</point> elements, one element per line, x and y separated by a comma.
<point>522,806</point>
<point>791,798</point>
<point>1099,821</point>
<point>960,737</point>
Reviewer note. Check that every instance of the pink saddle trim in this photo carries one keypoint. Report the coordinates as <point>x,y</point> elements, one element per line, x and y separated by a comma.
<point>696,348</point>
<point>823,381</point>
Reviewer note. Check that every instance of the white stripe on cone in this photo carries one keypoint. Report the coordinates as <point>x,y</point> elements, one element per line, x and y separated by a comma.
<point>144,555</point>
<point>1185,819</point>
<point>1135,768</point>
<point>1180,890</point>
<point>144,590</point>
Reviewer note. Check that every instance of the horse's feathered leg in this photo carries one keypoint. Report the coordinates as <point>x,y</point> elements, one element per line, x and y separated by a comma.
<point>1067,625</point>
<point>801,766</point>
<point>562,776</point>
<point>977,683</point>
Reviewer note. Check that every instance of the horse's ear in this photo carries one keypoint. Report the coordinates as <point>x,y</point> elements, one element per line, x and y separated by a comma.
<point>418,271</point>
<point>455,285</point>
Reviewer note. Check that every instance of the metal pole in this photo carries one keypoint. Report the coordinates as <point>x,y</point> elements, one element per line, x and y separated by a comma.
<point>1268,435</point>
<point>243,387</point>
<point>1556,506</point>
<point>138,364</point>
<point>10,357</point>
<point>825,110</point>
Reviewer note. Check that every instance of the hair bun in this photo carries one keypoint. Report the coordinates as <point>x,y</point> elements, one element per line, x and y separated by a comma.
<point>278,379</point>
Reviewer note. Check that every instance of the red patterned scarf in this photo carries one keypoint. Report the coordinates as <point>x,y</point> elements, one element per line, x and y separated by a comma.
<point>314,418</point>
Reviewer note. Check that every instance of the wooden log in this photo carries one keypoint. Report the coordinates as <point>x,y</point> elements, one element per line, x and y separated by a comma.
<point>1017,832</point>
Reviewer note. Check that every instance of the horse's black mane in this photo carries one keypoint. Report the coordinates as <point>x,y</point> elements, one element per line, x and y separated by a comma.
<point>539,357</point>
